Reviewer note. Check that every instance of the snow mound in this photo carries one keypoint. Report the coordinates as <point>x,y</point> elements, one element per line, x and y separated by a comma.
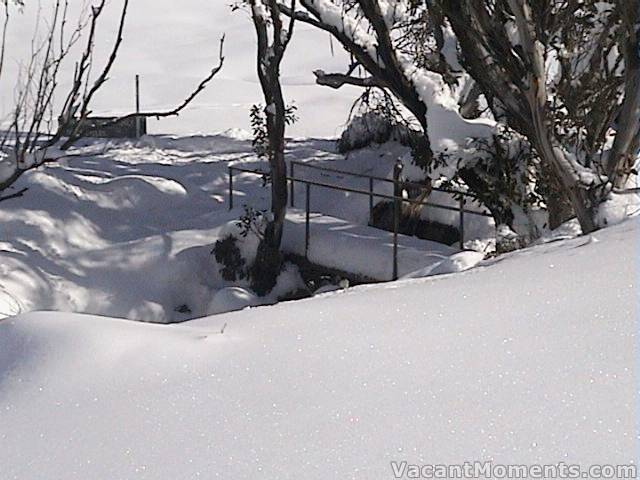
<point>230,299</point>
<point>458,262</point>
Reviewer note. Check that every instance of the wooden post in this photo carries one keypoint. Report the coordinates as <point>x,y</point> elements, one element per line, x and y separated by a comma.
<point>230,188</point>
<point>138,126</point>
<point>397,194</point>
<point>307,233</point>
<point>461,223</point>
<point>292,191</point>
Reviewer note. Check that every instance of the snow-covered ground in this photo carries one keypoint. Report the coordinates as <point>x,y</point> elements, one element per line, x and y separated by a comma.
<point>530,359</point>
<point>126,229</point>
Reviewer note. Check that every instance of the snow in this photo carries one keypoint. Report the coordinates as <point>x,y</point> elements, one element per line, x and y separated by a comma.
<point>126,229</point>
<point>367,251</point>
<point>617,208</point>
<point>230,299</point>
<point>529,359</point>
<point>448,131</point>
<point>458,262</point>
<point>526,358</point>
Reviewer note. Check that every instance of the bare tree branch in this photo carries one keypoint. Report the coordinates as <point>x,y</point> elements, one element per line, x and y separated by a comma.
<point>84,67</point>
<point>3,41</point>
<point>338,80</point>
<point>19,193</point>
<point>176,111</point>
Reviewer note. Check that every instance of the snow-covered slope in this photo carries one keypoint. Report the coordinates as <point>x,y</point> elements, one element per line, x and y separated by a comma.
<point>531,359</point>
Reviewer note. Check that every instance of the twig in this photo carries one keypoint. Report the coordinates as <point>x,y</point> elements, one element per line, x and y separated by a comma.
<point>169,113</point>
<point>176,111</point>
<point>19,193</point>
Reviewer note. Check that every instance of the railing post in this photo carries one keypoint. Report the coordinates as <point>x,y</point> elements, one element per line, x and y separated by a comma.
<point>292,187</point>
<point>138,121</point>
<point>371,201</point>
<point>230,188</point>
<point>307,232</point>
<point>397,194</point>
<point>462,223</point>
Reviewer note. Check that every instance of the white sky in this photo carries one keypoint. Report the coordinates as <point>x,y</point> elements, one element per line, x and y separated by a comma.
<point>173,44</point>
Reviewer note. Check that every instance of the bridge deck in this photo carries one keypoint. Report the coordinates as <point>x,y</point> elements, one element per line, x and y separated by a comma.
<point>359,249</point>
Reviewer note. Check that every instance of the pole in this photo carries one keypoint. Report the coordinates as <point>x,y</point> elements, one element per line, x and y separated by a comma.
<point>230,188</point>
<point>371,201</point>
<point>292,188</point>
<point>395,239</point>
<point>461,223</point>
<point>307,232</point>
<point>397,194</point>
<point>138,106</point>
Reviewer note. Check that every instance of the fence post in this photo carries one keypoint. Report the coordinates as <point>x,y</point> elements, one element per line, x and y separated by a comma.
<point>397,194</point>
<point>230,188</point>
<point>370,201</point>
<point>307,232</point>
<point>462,223</point>
<point>292,188</point>
<point>138,106</point>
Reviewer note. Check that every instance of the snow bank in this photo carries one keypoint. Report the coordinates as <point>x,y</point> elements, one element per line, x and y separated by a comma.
<point>618,208</point>
<point>529,360</point>
<point>458,262</point>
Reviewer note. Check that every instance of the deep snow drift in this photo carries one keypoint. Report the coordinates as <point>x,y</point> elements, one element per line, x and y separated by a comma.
<point>530,359</point>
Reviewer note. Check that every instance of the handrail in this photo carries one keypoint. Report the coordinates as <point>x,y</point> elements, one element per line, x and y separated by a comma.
<point>397,201</point>
<point>364,192</point>
<point>380,179</point>
<point>627,191</point>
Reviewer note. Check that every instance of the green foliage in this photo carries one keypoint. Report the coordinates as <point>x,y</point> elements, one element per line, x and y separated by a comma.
<point>260,131</point>
<point>506,173</point>
<point>228,255</point>
<point>251,221</point>
<point>259,128</point>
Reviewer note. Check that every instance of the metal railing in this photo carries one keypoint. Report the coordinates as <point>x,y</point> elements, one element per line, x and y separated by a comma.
<point>397,199</point>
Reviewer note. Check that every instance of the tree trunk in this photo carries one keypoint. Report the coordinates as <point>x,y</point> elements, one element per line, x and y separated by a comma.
<point>268,262</point>
<point>624,152</point>
<point>582,199</point>
<point>559,210</point>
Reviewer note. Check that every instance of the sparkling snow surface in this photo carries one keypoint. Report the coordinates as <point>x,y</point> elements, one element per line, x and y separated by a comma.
<point>531,359</point>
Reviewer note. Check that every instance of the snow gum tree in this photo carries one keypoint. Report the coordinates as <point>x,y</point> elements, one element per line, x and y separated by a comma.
<point>562,75</point>
<point>407,49</point>
<point>565,75</point>
<point>388,40</point>
<point>273,36</point>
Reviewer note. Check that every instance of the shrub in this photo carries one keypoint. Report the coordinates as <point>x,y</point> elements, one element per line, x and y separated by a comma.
<point>229,257</point>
